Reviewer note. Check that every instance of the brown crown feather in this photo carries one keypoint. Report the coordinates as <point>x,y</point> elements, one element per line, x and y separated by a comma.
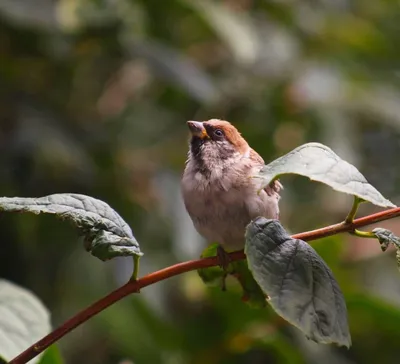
<point>231,134</point>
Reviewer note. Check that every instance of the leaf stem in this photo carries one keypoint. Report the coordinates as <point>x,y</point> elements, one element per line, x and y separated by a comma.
<point>352,214</point>
<point>136,261</point>
<point>364,234</point>
<point>133,286</point>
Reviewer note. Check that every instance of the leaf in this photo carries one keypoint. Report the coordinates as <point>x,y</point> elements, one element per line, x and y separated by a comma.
<point>319,163</point>
<point>300,286</point>
<point>106,234</point>
<point>252,292</point>
<point>52,356</point>
<point>215,276</point>
<point>212,276</point>
<point>385,238</point>
<point>23,320</point>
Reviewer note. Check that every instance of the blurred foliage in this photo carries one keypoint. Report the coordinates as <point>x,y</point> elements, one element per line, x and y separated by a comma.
<point>51,356</point>
<point>94,98</point>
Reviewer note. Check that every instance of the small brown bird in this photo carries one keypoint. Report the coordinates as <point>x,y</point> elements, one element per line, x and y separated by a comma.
<point>219,193</point>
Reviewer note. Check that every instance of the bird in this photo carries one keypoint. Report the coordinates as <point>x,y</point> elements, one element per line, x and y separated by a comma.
<point>218,190</point>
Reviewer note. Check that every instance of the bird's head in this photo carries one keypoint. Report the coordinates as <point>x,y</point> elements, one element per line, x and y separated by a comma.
<point>214,142</point>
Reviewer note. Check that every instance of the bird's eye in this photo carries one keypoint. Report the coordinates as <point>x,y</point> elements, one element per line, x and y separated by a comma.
<point>218,133</point>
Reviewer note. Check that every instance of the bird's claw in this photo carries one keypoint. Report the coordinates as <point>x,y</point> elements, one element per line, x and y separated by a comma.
<point>224,258</point>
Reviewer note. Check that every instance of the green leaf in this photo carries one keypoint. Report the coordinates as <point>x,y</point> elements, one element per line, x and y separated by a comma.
<point>215,276</point>
<point>212,276</point>
<point>252,292</point>
<point>300,286</point>
<point>23,320</point>
<point>319,163</point>
<point>106,234</point>
<point>52,355</point>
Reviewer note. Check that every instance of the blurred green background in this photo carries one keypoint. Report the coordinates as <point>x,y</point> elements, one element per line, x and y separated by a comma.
<point>94,98</point>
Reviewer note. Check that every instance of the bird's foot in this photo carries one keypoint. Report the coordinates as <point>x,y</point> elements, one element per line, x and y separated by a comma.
<point>224,261</point>
<point>224,258</point>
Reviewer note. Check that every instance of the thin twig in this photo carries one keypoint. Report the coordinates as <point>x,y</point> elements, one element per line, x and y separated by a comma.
<point>134,286</point>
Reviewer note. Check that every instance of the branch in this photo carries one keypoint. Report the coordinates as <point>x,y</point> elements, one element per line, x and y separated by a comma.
<point>135,286</point>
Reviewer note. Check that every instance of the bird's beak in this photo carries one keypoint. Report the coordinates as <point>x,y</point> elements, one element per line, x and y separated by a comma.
<point>197,129</point>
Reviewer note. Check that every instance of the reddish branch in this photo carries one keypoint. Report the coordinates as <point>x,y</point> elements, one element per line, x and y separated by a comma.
<point>135,286</point>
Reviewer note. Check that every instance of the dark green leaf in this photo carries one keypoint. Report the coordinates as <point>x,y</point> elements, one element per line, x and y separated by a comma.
<point>106,234</point>
<point>300,286</point>
<point>23,320</point>
<point>319,163</point>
